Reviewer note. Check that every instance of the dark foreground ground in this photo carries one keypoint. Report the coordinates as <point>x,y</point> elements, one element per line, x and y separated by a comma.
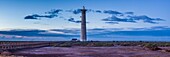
<point>96,49</point>
<point>78,51</point>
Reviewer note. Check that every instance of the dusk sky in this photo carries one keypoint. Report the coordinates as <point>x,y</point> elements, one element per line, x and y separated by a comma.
<point>59,20</point>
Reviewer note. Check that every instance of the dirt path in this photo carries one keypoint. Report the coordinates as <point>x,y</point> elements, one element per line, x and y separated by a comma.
<point>122,51</point>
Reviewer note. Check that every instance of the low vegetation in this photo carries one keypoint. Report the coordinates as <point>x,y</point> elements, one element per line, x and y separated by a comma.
<point>153,47</point>
<point>150,45</point>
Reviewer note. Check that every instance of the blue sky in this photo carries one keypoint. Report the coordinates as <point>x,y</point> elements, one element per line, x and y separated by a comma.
<point>60,19</point>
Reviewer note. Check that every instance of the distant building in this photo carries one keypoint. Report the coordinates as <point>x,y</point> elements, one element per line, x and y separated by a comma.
<point>74,39</point>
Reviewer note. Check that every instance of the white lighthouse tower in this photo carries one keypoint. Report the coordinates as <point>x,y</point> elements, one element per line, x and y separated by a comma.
<point>83,25</point>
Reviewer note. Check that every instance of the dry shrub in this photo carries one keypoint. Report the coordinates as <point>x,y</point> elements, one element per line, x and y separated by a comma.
<point>153,47</point>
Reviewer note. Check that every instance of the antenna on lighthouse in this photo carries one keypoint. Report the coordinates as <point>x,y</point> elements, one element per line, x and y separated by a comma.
<point>83,7</point>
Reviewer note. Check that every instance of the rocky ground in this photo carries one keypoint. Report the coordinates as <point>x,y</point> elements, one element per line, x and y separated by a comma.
<point>78,51</point>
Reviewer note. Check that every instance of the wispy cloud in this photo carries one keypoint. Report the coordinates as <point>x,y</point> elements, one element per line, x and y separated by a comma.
<point>54,11</point>
<point>75,11</point>
<point>98,11</point>
<point>104,32</point>
<point>73,20</point>
<point>36,16</point>
<point>111,12</point>
<point>115,17</point>
<point>150,31</point>
<point>112,22</point>
<point>150,28</point>
<point>129,13</point>
<point>160,27</point>
<point>50,14</point>
<point>34,33</point>
<point>131,18</point>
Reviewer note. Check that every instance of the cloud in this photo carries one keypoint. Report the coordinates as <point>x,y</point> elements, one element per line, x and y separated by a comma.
<point>151,28</point>
<point>75,11</point>
<point>50,14</point>
<point>91,33</point>
<point>78,11</point>
<point>149,31</point>
<point>129,13</point>
<point>30,17</point>
<point>160,27</point>
<point>36,16</point>
<point>115,17</point>
<point>138,29</point>
<point>112,22</point>
<point>121,16</point>
<point>73,20</point>
<point>111,12</point>
<point>68,31</point>
<point>98,11</point>
<point>132,19</point>
<point>146,19</point>
<point>144,32</point>
<point>34,33</point>
<point>98,29</point>
<point>54,11</point>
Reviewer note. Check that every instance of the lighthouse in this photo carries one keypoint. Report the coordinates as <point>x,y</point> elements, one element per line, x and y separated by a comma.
<point>83,24</point>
